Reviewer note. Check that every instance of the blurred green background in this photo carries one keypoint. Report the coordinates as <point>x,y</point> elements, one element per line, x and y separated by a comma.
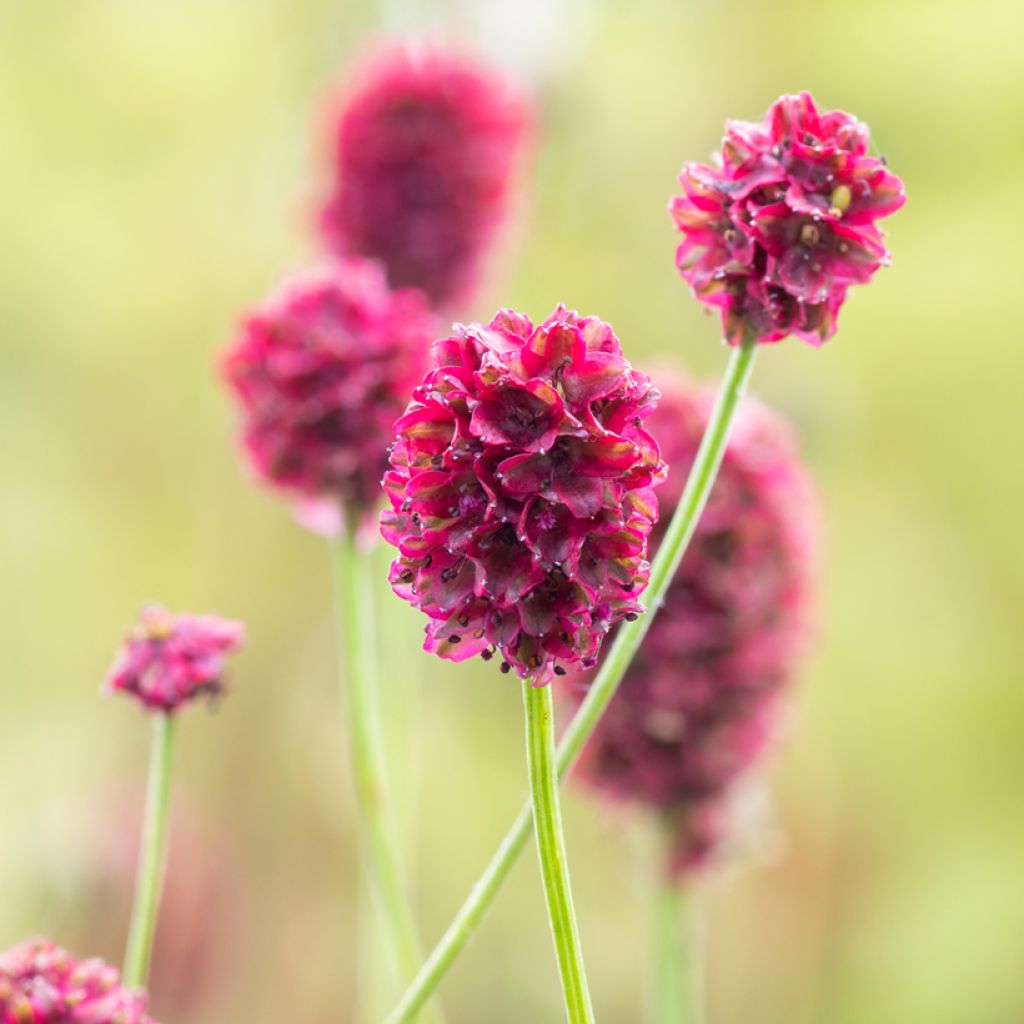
<point>158,165</point>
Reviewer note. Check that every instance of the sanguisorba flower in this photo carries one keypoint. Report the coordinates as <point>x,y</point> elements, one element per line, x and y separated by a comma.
<point>521,492</point>
<point>424,144</point>
<point>40,983</point>
<point>321,370</point>
<point>703,696</point>
<point>168,660</point>
<point>782,222</point>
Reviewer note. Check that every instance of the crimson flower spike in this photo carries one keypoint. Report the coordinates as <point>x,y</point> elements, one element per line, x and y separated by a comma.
<point>703,697</point>
<point>521,492</point>
<point>782,222</point>
<point>424,145</point>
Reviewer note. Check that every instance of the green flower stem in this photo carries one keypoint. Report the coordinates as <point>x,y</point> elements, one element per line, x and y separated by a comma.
<point>677,992</point>
<point>354,588</point>
<point>554,865</point>
<point>627,642</point>
<point>152,855</point>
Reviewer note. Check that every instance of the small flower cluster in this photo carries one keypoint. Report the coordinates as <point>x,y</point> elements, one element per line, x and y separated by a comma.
<point>424,152</point>
<point>40,983</point>
<point>169,660</point>
<point>521,492</point>
<point>702,697</point>
<point>784,221</point>
<point>321,371</point>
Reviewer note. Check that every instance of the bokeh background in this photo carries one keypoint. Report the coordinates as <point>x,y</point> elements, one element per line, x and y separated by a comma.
<point>158,166</point>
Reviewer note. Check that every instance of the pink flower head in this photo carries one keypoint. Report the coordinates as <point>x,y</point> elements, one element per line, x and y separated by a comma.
<point>783,222</point>
<point>521,492</point>
<point>703,696</point>
<point>424,146</point>
<point>40,983</point>
<point>168,660</point>
<point>321,371</point>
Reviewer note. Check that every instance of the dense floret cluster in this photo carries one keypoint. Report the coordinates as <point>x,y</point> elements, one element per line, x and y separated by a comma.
<point>702,697</point>
<point>168,660</point>
<point>321,371</point>
<point>783,221</point>
<point>40,983</point>
<point>521,492</point>
<point>424,149</point>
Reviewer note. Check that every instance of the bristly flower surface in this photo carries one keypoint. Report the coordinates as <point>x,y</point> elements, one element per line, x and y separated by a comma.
<point>703,696</point>
<point>168,660</point>
<point>40,983</point>
<point>521,492</point>
<point>783,221</point>
<point>424,146</point>
<point>321,370</point>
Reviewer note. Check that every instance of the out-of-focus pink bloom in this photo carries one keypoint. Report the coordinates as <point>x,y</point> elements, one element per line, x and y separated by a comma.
<point>40,983</point>
<point>702,698</point>
<point>521,492</point>
<point>783,221</point>
<point>168,660</point>
<point>321,371</point>
<point>424,147</point>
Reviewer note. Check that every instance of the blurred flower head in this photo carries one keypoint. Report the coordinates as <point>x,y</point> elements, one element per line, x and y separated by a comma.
<point>521,492</point>
<point>783,221</point>
<point>703,696</point>
<point>321,370</point>
<point>168,660</point>
<point>424,145</point>
<point>40,983</point>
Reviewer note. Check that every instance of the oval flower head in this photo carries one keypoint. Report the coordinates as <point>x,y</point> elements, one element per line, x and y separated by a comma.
<point>703,697</point>
<point>782,222</point>
<point>520,490</point>
<point>321,371</point>
<point>424,144</point>
<point>40,983</point>
<point>168,660</point>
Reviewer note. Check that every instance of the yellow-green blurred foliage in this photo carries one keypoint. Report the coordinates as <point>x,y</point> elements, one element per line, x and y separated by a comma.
<point>157,171</point>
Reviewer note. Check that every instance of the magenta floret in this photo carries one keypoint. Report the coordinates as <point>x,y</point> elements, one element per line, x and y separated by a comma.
<point>168,660</point>
<point>521,492</point>
<point>783,221</point>
<point>321,371</point>
<point>424,147</point>
<point>702,699</point>
<point>40,983</point>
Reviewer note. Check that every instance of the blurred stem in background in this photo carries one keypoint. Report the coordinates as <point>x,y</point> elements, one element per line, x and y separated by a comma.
<point>627,642</point>
<point>357,662</point>
<point>152,855</point>
<point>678,990</point>
<point>554,865</point>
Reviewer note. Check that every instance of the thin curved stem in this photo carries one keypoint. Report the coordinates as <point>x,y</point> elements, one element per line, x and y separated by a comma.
<point>354,586</point>
<point>554,864</point>
<point>627,641</point>
<point>152,855</point>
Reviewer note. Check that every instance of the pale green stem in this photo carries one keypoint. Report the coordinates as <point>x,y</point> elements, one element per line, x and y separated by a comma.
<point>354,587</point>
<point>627,642</point>
<point>554,864</point>
<point>678,989</point>
<point>152,855</point>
